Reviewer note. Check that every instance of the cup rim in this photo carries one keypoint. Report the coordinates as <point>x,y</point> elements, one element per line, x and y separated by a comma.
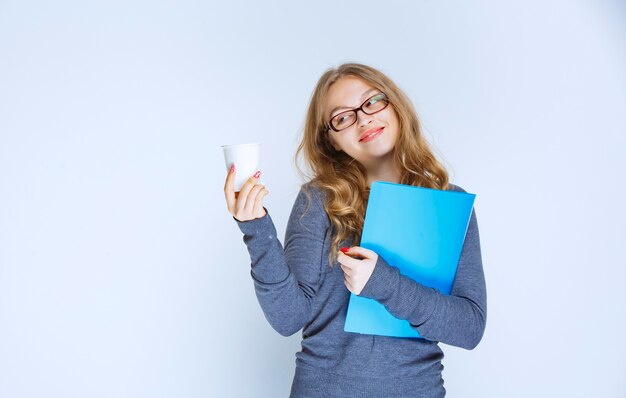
<point>241,145</point>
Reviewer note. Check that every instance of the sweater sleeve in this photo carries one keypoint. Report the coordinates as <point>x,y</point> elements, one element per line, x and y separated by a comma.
<point>286,280</point>
<point>457,319</point>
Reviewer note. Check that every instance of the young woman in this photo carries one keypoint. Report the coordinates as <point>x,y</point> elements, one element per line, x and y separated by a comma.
<point>360,128</point>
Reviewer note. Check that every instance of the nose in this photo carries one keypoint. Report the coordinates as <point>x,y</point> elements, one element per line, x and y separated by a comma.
<point>363,119</point>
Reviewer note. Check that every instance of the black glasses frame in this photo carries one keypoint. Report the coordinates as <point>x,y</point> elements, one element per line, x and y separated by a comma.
<point>329,125</point>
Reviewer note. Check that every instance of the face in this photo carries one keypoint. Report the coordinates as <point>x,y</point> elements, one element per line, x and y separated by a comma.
<point>372,138</point>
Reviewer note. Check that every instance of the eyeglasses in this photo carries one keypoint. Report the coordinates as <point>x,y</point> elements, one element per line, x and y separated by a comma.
<point>372,105</point>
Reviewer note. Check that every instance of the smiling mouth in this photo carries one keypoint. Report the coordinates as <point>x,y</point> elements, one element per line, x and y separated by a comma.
<point>372,134</point>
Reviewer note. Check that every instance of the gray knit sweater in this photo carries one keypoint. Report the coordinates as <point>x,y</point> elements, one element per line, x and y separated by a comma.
<point>298,289</point>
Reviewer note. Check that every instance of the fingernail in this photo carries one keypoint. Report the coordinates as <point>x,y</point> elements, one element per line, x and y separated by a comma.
<point>232,168</point>
<point>257,174</point>
<point>345,249</point>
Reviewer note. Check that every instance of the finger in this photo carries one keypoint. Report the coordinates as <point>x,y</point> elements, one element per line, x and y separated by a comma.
<point>245,189</point>
<point>346,271</point>
<point>361,251</point>
<point>258,203</point>
<point>250,200</point>
<point>348,252</point>
<point>229,189</point>
<point>347,261</point>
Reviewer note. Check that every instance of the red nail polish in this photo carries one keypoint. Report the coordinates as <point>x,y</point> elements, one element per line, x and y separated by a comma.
<point>232,168</point>
<point>345,249</point>
<point>257,174</point>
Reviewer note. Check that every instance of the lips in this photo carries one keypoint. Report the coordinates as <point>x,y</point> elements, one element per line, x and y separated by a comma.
<point>370,134</point>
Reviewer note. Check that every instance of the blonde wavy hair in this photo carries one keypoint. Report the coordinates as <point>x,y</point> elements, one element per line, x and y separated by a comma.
<point>343,179</point>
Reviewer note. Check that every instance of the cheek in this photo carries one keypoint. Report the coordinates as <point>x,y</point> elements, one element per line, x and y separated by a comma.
<point>333,143</point>
<point>394,120</point>
<point>391,118</point>
<point>396,125</point>
<point>395,129</point>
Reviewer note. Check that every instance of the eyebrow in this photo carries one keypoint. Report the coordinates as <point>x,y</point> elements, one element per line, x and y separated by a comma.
<point>363,97</point>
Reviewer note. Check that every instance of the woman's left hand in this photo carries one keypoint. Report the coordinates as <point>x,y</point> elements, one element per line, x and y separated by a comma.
<point>357,271</point>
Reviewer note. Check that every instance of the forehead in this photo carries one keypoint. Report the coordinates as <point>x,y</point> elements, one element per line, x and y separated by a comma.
<point>346,92</point>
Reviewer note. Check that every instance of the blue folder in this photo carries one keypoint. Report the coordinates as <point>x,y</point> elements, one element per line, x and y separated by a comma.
<point>419,230</point>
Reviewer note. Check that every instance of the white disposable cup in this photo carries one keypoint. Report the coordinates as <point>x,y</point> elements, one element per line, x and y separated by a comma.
<point>245,157</point>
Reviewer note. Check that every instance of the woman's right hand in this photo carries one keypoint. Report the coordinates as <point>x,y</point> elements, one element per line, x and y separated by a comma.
<point>247,204</point>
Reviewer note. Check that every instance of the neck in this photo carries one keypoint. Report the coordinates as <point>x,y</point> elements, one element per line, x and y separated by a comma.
<point>386,171</point>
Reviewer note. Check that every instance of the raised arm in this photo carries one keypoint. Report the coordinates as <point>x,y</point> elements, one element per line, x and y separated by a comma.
<point>286,280</point>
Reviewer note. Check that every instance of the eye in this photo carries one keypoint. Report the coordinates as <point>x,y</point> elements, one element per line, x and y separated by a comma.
<point>343,119</point>
<point>374,100</point>
<point>375,104</point>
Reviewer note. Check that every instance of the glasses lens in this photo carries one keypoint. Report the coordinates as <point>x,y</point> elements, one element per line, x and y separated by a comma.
<point>343,120</point>
<point>375,104</point>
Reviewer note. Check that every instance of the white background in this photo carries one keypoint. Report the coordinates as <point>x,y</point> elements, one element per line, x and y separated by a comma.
<point>123,275</point>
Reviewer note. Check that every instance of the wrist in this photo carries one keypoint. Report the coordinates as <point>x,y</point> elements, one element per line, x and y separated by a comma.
<point>378,282</point>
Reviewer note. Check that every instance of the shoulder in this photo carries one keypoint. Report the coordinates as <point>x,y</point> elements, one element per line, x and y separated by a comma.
<point>313,187</point>
<point>311,197</point>
<point>308,210</point>
<point>313,192</point>
<point>455,188</point>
